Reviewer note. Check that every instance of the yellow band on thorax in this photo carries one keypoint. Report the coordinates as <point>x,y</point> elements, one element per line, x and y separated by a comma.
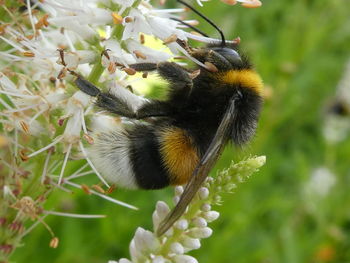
<point>246,78</point>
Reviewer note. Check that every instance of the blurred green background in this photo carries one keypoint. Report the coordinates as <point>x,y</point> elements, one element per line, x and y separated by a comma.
<point>300,48</point>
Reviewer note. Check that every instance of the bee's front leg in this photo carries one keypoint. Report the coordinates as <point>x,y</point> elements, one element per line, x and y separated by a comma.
<point>123,102</point>
<point>179,78</point>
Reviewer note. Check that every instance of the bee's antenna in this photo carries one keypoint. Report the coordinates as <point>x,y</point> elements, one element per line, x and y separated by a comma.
<point>190,26</point>
<point>223,42</point>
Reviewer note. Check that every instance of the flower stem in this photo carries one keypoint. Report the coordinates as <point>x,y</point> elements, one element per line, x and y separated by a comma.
<point>96,72</point>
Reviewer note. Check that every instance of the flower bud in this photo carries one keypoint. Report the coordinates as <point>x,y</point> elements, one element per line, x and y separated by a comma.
<point>203,193</point>
<point>179,190</point>
<point>145,240</point>
<point>199,222</point>
<point>181,224</point>
<point>206,207</point>
<point>211,216</point>
<point>229,187</point>
<point>190,243</point>
<point>203,232</point>
<point>176,199</point>
<point>162,209</point>
<point>176,248</point>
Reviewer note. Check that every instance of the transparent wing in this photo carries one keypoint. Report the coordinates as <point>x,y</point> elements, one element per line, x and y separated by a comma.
<point>202,170</point>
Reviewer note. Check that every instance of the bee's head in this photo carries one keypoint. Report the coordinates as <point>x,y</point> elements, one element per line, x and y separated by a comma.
<point>226,57</point>
<point>229,67</point>
<point>230,54</point>
<point>226,69</point>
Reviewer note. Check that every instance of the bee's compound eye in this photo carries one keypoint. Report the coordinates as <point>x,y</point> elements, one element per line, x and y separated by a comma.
<point>230,54</point>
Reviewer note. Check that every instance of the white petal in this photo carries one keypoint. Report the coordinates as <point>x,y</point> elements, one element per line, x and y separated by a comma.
<point>138,25</point>
<point>164,27</point>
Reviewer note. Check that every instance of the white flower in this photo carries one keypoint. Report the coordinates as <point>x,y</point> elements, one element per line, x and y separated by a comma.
<point>336,127</point>
<point>343,88</point>
<point>137,26</point>
<point>321,182</point>
<point>117,54</point>
<point>143,243</point>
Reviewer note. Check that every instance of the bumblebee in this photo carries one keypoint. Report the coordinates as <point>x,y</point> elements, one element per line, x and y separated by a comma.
<point>206,108</point>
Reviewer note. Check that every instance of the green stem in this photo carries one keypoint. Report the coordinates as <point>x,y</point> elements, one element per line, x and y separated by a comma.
<point>96,72</point>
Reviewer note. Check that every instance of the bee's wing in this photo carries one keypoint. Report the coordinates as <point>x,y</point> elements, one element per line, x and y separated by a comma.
<point>202,170</point>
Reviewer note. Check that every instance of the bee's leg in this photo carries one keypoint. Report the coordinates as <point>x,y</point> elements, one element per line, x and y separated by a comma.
<point>170,71</point>
<point>213,57</point>
<point>118,105</point>
<point>123,102</point>
<point>179,78</point>
<point>144,66</point>
<point>86,86</point>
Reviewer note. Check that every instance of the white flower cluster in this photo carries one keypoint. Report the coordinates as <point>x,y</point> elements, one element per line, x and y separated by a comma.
<point>336,127</point>
<point>321,182</point>
<point>186,233</point>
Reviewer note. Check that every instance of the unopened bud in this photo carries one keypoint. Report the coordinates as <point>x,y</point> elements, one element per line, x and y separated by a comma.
<point>54,242</point>
<point>177,248</point>
<point>211,216</point>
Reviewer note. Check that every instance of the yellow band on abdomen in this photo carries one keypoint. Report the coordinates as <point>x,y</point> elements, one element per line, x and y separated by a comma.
<point>178,155</point>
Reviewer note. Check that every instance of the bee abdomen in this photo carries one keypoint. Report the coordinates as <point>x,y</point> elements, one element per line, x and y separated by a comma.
<point>146,160</point>
<point>145,156</point>
<point>110,155</point>
<point>179,154</point>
